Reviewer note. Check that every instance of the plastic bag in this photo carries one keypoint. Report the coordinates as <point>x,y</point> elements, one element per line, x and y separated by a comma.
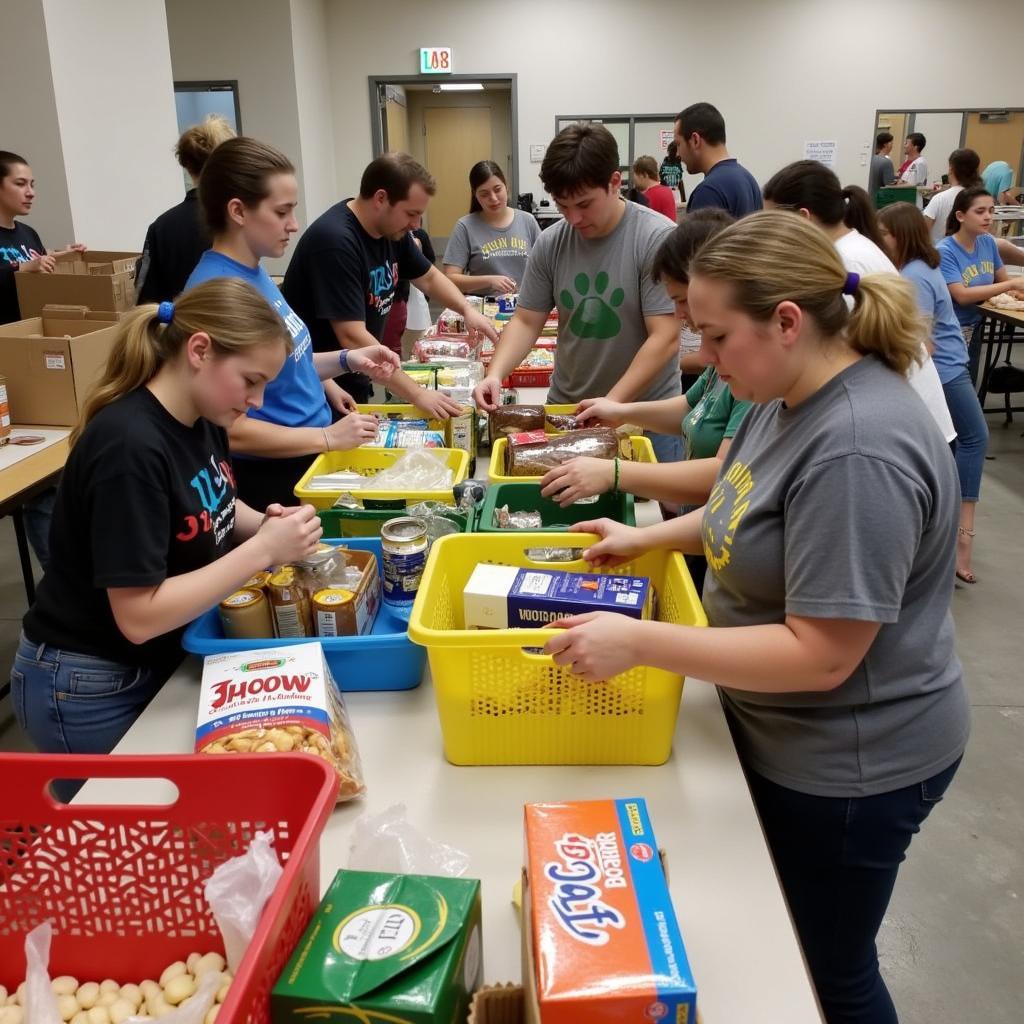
<point>418,470</point>
<point>237,892</point>
<point>198,1005</point>
<point>389,843</point>
<point>40,1001</point>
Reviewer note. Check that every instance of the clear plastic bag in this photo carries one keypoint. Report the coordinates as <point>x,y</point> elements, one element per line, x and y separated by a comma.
<point>196,1007</point>
<point>418,470</point>
<point>40,1000</point>
<point>237,892</point>
<point>388,842</point>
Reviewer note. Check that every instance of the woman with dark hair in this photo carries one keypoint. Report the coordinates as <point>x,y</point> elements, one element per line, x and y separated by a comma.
<point>963,173</point>
<point>847,216</point>
<point>486,254</point>
<point>905,234</point>
<point>971,265</point>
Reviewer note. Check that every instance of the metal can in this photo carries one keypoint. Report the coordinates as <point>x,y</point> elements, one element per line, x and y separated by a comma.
<point>403,556</point>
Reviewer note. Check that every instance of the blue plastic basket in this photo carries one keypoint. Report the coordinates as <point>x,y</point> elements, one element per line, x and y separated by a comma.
<point>385,659</point>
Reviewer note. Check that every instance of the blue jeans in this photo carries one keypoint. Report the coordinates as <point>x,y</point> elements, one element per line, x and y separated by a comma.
<point>837,860</point>
<point>972,339</point>
<point>667,447</point>
<point>971,433</point>
<point>74,703</point>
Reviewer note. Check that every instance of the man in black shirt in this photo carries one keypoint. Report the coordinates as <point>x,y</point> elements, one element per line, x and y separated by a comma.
<point>348,264</point>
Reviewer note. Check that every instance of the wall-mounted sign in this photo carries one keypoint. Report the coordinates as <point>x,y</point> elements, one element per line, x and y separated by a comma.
<point>822,150</point>
<point>436,60</point>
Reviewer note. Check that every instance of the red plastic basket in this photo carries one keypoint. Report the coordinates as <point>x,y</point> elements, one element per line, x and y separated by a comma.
<point>123,884</point>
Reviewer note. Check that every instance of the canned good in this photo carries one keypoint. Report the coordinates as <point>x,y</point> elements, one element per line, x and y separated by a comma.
<point>245,615</point>
<point>403,556</point>
<point>289,601</point>
<point>331,611</point>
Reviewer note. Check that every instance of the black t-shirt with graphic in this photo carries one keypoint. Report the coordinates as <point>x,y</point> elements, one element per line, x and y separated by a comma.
<point>339,272</point>
<point>19,244</point>
<point>143,498</point>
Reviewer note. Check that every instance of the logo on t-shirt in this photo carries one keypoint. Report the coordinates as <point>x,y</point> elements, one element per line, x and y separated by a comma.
<point>504,246</point>
<point>215,487</point>
<point>594,317</point>
<point>17,254</point>
<point>725,510</point>
<point>381,293</point>
<point>975,270</point>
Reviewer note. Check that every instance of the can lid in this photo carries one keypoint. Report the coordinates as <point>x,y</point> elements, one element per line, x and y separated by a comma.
<point>242,598</point>
<point>404,528</point>
<point>333,595</point>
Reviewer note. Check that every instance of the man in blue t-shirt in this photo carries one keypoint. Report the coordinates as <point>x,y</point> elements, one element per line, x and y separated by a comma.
<point>700,141</point>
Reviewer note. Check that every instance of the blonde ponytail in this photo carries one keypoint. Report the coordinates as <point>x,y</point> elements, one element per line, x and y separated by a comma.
<point>774,257</point>
<point>233,313</point>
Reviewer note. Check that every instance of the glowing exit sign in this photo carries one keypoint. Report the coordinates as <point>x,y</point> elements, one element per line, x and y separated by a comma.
<point>436,60</point>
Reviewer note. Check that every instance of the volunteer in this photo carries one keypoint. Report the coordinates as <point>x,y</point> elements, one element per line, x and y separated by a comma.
<point>830,538</point>
<point>972,266</point>
<point>708,414</point>
<point>248,195</point>
<point>905,234</point>
<point>410,312</point>
<point>963,173</point>
<point>486,254</point>
<point>848,218</point>
<point>147,531</point>
<point>177,238</point>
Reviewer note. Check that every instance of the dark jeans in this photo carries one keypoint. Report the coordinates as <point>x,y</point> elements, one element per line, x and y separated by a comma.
<point>837,859</point>
<point>261,482</point>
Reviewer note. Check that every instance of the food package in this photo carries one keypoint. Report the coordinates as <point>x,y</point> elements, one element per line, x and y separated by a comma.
<point>277,700</point>
<point>444,351</point>
<point>601,939</point>
<point>450,322</point>
<point>467,375</point>
<point>515,419</point>
<point>419,469</point>
<point>522,520</point>
<point>386,947</point>
<point>406,434</point>
<point>560,423</point>
<point>534,453</point>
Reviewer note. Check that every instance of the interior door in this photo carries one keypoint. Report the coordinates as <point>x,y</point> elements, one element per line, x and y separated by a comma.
<point>455,138</point>
<point>396,127</point>
<point>997,140</point>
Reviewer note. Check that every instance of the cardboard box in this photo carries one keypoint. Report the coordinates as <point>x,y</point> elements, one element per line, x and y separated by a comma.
<point>497,1004</point>
<point>506,597</point>
<point>100,280</point>
<point>600,939</point>
<point>386,948</point>
<point>5,413</point>
<point>356,617</point>
<point>52,361</point>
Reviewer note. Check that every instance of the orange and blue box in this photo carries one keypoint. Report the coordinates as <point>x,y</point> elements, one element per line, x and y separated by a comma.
<point>606,945</point>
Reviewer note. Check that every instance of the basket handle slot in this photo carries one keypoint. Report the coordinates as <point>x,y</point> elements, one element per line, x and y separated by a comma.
<point>115,792</point>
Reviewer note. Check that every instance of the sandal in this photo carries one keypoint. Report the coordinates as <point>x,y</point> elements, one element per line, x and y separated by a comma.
<point>965,575</point>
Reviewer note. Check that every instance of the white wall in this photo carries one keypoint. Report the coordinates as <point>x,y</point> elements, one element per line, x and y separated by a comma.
<point>782,73</point>
<point>28,121</point>
<point>111,72</point>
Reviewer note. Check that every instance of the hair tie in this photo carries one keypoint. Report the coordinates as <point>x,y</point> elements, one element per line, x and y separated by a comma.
<point>851,284</point>
<point>165,312</point>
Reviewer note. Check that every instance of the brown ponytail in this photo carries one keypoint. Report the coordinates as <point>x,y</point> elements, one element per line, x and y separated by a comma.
<point>230,311</point>
<point>774,257</point>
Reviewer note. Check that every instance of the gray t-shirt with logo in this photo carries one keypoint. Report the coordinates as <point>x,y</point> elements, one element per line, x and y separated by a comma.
<point>603,290</point>
<point>844,507</point>
<point>477,249</point>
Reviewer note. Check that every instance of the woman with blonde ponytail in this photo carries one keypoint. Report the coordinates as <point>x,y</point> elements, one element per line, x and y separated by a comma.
<point>147,529</point>
<point>830,537</point>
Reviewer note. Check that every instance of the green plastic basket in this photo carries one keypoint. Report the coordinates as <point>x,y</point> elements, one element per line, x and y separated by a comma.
<point>526,497</point>
<point>366,522</point>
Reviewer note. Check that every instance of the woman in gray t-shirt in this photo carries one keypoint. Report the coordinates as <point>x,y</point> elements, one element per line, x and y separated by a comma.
<point>486,254</point>
<point>830,537</point>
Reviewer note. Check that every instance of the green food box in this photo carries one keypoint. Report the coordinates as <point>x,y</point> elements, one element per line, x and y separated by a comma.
<point>386,949</point>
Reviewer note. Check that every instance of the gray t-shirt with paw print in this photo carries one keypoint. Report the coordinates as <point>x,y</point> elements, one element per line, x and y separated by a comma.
<point>603,290</point>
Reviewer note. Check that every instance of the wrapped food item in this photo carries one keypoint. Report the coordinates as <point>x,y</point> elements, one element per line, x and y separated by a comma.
<point>446,351</point>
<point>343,480</point>
<point>523,520</point>
<point>437,518</point>
<point>514,419</point>
<point>406,434</point>
<point>421,469</point>
<point>560,423</point>
<point>467,375</point>
<point>450,322</point>
<point>277,700</point>
<point>534,453</point>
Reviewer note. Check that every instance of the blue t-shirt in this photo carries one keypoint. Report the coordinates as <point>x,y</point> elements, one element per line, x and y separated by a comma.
<point>295,397</point>
<point>727,186</point>
<point>950,355</point>
<point>971,269</point>
<point>998,177</point>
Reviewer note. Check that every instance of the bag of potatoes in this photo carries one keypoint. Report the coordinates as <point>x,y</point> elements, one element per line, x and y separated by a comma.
<point>277,700</point>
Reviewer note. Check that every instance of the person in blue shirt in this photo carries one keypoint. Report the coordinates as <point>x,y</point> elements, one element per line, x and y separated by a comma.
<point>906,238</point>
<point>248,195</point>
<point>998,179</point>
<point>971,265</point>
<point>700,142</point>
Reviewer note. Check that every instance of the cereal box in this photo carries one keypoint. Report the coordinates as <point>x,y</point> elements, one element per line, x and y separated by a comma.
<point>282,699</point>
<point>386,949</point>
<point>602,943</point>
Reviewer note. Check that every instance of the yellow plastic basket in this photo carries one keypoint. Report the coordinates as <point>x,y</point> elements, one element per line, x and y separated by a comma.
<point>501,703</point>
<point>643,451</point>
<point>369,462</point>
<point>397,411</point>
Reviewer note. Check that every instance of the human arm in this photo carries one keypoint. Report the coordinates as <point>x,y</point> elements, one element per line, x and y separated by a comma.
<point>660,348</point>
<point>377,361</point>
<point>661,417</point>
<point>249,435</point>
<point>144,613</point>
<point>1012,255</point>
<point>498,284</point>
<point>518,337</point>
<point>441,289</point>
<point>965,296</point>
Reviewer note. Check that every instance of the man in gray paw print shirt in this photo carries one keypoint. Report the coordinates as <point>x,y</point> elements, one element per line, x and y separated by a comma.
<point>617,335</point>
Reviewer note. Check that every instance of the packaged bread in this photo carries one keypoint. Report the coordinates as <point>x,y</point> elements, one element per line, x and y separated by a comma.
<point>561,422</point>
<point>277,700</point>
<point>515,419</point>
<point>534,453</point>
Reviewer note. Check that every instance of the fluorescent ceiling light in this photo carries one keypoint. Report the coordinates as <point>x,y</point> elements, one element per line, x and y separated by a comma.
<point>460,87</point>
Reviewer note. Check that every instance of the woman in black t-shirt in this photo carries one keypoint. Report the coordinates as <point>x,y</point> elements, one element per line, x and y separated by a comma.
<point>147,529</point>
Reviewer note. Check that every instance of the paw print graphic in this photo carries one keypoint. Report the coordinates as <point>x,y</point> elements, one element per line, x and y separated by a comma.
<point>594,317</point>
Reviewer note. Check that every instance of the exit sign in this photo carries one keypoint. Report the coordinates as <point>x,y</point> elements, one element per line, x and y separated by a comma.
<point>436,60</point>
